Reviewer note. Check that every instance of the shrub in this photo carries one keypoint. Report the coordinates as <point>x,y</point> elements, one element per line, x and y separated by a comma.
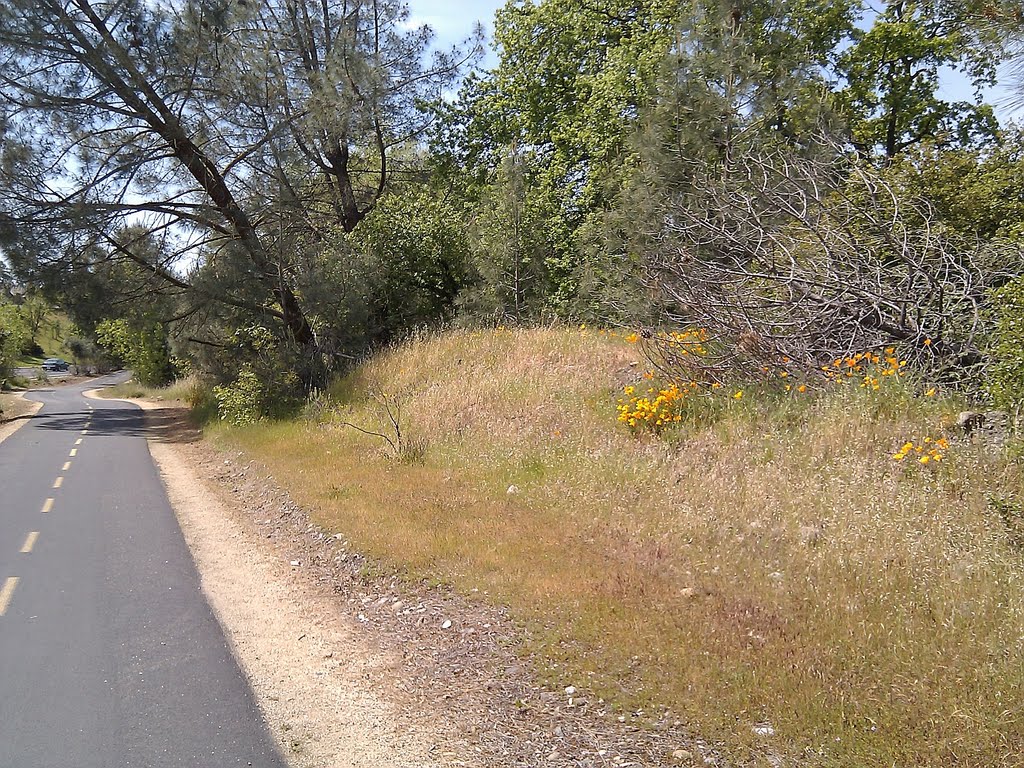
<point>244,401</point>
<point>1006,378</point>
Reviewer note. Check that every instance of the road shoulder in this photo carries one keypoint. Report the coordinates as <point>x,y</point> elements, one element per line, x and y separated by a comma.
<point>17,411</point>
<point>323,689</point>
<point>353,666</point>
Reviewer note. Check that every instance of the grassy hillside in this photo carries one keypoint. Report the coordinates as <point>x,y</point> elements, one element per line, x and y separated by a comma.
<point>53,331</point>
<point>766,569</point>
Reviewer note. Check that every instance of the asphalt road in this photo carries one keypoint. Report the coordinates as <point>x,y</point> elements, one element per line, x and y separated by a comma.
<point>109,653</point>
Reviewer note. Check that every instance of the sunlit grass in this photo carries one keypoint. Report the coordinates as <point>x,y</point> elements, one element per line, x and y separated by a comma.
<point>13,407</point>
<point>768,561</point>
<point>189,391</point>
<point>53,331</point>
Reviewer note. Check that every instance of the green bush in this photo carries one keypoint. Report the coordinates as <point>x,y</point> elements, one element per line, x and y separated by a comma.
<point>13,336</point>
<point>244,401</point>
<point>1006,379</point>
<point>143,348</point>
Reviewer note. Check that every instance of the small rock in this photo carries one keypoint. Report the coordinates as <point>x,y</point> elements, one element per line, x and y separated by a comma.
<point>811,534</point>
<point>295,563</point>
<point>763,729</point>
<point>687,592</point>
<point>447,624</point>
<point>512,490</point>
<point>992,428</point>
<point>967,421</point>
<point>775,576</point>
<point>682,754</point>
<point>570,690</point>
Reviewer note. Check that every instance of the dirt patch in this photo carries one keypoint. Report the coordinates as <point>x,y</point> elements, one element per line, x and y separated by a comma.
<point>15,411</point>
<point>356,667</point>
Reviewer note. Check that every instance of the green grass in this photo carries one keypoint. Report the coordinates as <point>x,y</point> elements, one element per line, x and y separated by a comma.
<point>51,336</point>
<point>766,560</point>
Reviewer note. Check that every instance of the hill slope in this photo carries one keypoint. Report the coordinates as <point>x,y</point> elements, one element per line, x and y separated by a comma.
<point>767,570</point>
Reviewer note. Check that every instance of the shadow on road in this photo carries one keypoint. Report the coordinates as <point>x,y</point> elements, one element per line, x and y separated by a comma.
<point>168,425</point>
<point>8,419</point>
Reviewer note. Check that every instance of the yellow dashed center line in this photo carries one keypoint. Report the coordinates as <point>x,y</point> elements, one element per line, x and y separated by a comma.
<point>30,541</point>
<point>47,505</point>
<point>85,431</point>
<point>66,467</point>
<point>58,482</point>
<point>5,593</point>
<point>74,452</point>
<point>78,441</point>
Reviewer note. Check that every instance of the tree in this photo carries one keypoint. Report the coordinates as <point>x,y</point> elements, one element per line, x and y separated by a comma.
<point>507,247</point>
<point>205,122</point>
<point>142,347</point>
<point>892,72</point>
<point>13,336</point>
<point>34,310</point>
<point>571,82</point>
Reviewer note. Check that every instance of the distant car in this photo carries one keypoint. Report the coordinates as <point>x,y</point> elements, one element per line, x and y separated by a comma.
<point>54,364</point>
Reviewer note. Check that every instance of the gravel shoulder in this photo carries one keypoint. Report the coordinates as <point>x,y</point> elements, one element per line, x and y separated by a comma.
<point>353,666</point>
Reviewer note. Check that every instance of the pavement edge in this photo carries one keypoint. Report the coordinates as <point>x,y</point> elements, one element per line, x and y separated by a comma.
<point>9,428</point>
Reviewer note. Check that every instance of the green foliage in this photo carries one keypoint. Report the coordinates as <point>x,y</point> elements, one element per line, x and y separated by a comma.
<point>143,348</point>
<point>14,335</point>
<point>1006,378</point>
<point>411,253</point>
<point>507,248</point>
<point>264,383</point>
<point>892,73</point>
<point>571,86</point>
<point>244,401</point>
<point>565,171</point>
<point>979,194</point>
<point>85,351</point>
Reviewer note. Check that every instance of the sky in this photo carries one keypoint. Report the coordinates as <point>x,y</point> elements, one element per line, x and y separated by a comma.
<point>453,21</point>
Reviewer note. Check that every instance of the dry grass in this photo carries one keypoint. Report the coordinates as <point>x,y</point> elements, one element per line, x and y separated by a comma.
<point>189,391</point>
<point>13,406</point>
<point>776,566</point>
